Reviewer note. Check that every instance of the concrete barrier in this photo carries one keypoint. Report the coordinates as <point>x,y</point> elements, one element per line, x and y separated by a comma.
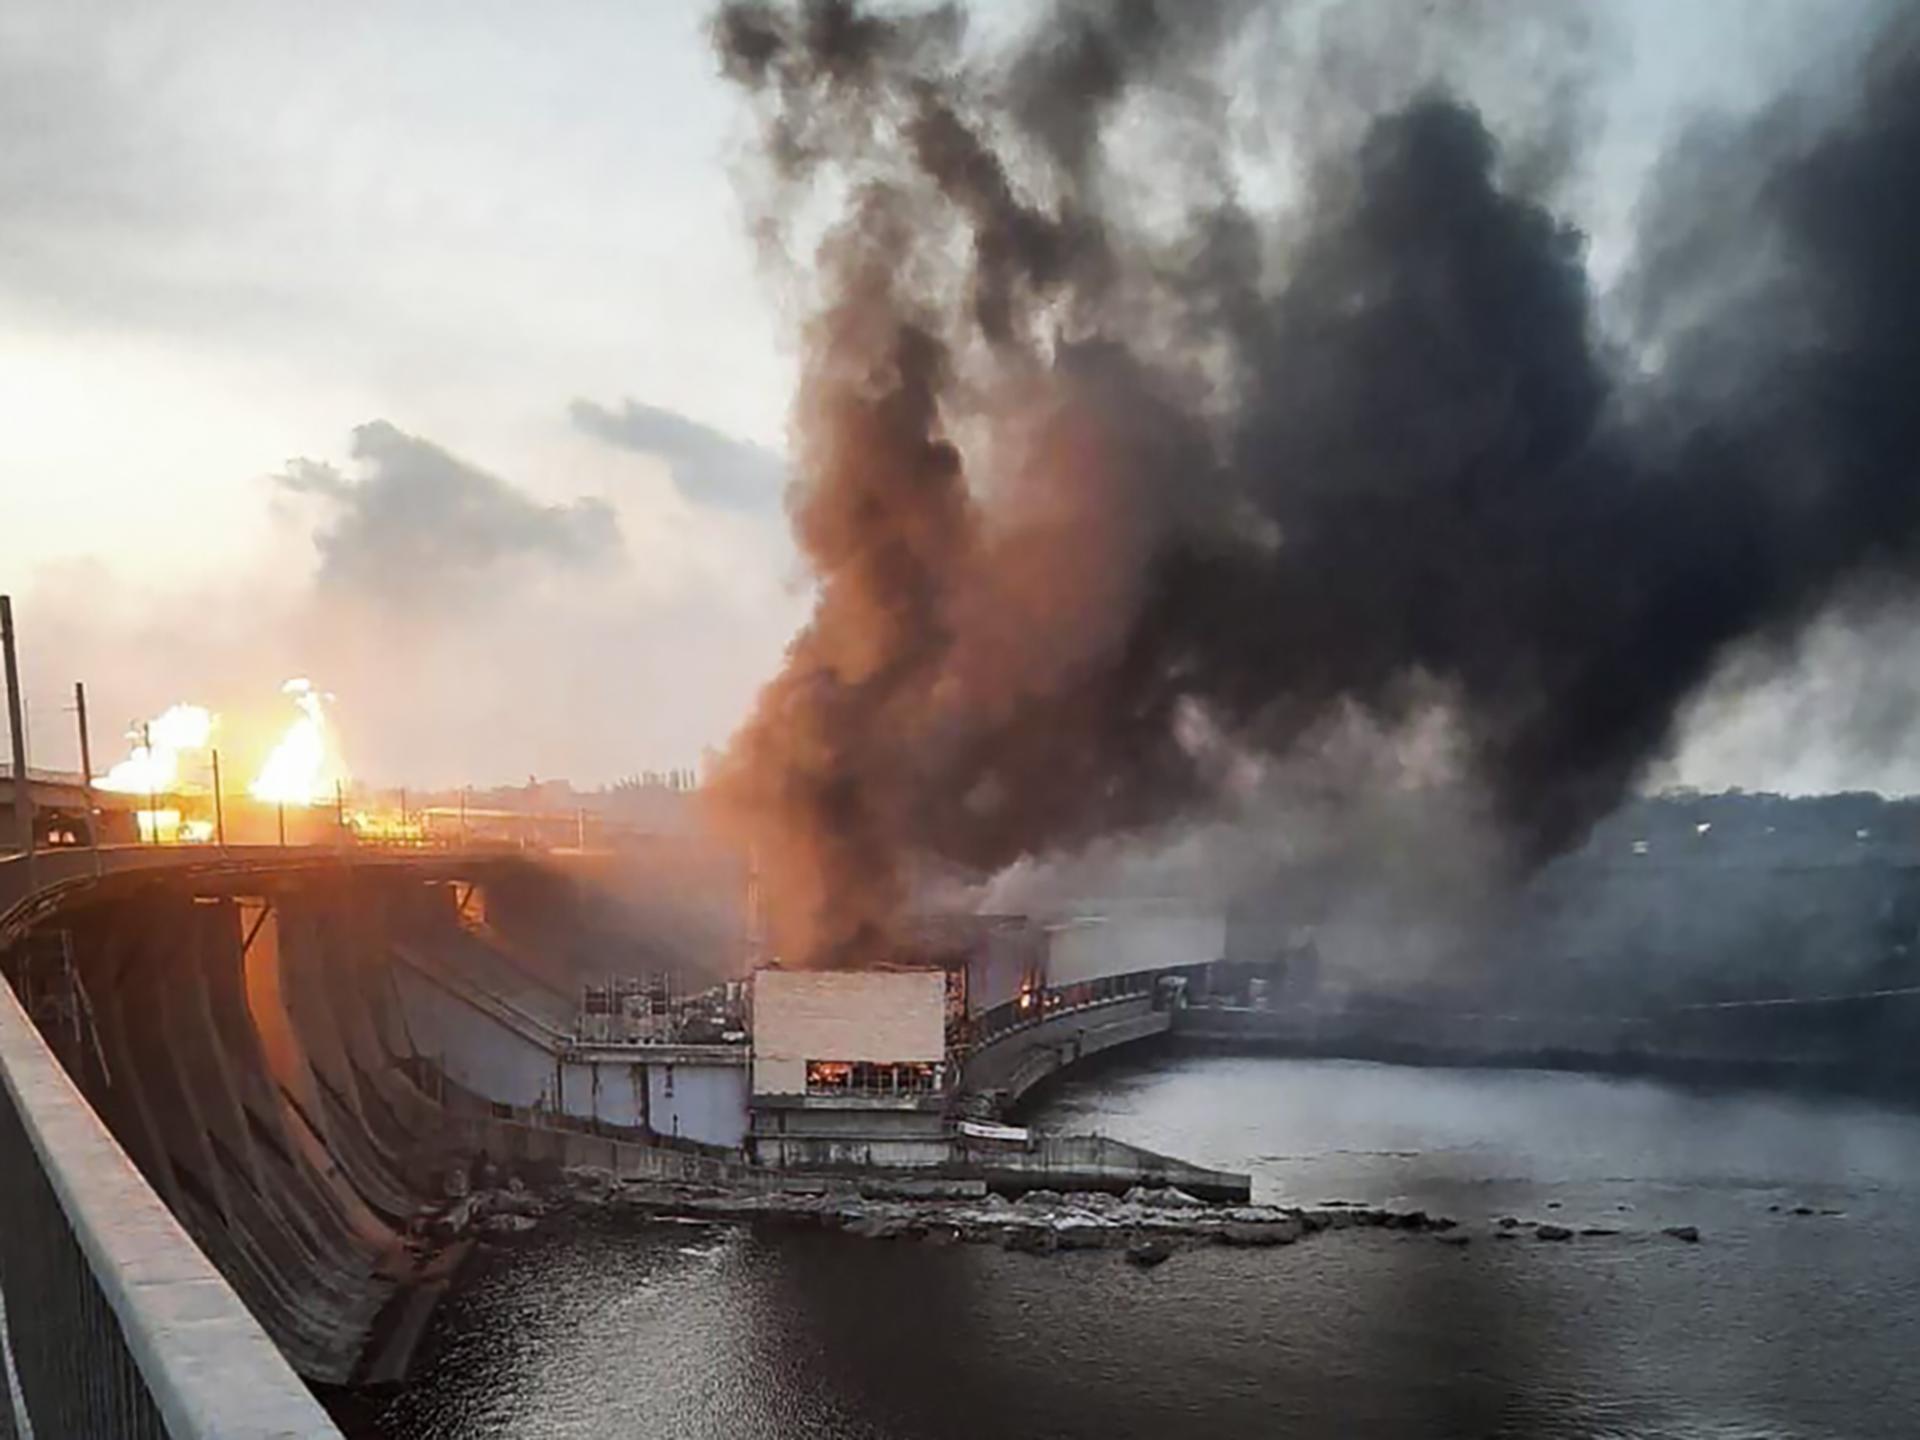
<point>115,1324</point>
<point>1016,1060</point>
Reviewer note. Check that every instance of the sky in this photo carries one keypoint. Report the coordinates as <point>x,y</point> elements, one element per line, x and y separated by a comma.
<point>421,348</point>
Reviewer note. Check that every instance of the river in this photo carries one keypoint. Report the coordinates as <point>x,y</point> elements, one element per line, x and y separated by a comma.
<point>1774,1325</point>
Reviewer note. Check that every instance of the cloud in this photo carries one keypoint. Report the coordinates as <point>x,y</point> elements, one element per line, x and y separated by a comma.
<point>419,522</point>
<point>709,466</point>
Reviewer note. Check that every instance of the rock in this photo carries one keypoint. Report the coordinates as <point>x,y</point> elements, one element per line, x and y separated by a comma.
<point>1041,1200</point>
<point>1255,1214</point>
<point>508,1225</point>
<point>456,1218</point>
<point>455,1183</point>
<point>1077,1234</point>
<point>1688,1233</point>
<point>592,1179</point>
<point>1147,1253</point>
<point>1802,1210</point>
<point>1031,1239</point>
<point>1553,1204</point>
<point>514,1202</point>
<point>1409,1220</point>
<point>1507,1222</point>
<point>1552,1232</point>
<point>1598,1230</point>
<point>1173,1198</point>
<point>1454,1237</point>
<point>881,1227</point>
<point>1240,1233</point>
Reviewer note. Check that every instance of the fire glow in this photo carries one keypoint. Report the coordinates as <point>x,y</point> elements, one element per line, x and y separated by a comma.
<point>298,771</point>
<point>173,753</point>
<point>154,766</point>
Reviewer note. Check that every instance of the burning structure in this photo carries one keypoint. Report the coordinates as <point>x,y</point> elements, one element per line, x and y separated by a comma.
<point>1126,478</point>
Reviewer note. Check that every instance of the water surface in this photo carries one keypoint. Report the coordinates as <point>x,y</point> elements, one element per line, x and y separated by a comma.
<point>1776,1325</point>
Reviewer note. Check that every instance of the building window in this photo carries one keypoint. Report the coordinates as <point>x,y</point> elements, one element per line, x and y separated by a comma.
<point>859,1077</point>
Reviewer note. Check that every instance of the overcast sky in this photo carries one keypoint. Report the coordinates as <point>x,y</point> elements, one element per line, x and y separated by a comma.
<point>417,346</point>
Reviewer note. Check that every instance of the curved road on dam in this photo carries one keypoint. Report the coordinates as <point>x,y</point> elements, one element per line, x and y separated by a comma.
<point>1774,1325</point>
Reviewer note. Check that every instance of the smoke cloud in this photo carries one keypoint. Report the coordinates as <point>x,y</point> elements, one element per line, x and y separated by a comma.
<point>1118,483</point>
<point>421,524</point>
<point>709,466</point>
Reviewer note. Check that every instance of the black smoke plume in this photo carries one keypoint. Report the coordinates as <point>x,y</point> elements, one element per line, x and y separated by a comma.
<point>1112,477</point>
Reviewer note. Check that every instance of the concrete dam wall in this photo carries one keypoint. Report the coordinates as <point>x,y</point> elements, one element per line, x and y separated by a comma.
<point>289,1063</point>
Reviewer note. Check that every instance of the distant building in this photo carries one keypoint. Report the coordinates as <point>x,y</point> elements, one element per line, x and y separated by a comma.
<point>60,813</point>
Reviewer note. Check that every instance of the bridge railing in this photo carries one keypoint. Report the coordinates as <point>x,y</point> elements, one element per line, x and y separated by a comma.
<point>112,1322</point>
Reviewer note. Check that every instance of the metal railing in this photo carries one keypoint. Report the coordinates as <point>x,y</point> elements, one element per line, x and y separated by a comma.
<point>113,1324</point>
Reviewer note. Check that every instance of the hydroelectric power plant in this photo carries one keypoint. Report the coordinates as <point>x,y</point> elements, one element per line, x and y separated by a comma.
<point>263,1104</point>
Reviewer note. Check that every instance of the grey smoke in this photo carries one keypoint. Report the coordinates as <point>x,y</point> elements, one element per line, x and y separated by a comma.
<point>419,522</point>
<point>1098,451</point>
<point>709,466</point>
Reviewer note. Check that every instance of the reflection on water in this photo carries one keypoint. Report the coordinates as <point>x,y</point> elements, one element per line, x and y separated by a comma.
<point>1775,1325</point>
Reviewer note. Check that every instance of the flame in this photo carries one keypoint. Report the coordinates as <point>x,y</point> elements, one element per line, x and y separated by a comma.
<point>154,765</point>
<point>298,771</point>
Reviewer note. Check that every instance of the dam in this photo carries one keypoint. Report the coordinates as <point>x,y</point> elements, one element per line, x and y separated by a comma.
<point>280,1064</point>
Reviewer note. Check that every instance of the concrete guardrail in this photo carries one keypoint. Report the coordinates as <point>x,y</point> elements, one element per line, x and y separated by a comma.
<point>112,1322</point>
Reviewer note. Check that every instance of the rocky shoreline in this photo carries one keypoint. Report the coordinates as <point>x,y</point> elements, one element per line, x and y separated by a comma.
<point>1148,1225</point>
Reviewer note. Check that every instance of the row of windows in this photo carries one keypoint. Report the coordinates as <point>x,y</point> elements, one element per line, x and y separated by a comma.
<point>859,1077</point>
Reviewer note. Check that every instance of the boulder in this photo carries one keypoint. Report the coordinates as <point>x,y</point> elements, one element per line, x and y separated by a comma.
<point>1688,1233</point>
<point>1031,1239</point>
<point>1241,1233</point>
<point>1080,1234</point>
<point>1146,1253</point>
<point>1171,1197</point>
<point>1552,1232</point>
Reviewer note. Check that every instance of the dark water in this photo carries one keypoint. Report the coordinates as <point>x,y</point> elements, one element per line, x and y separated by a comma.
<point>1775,1325</point>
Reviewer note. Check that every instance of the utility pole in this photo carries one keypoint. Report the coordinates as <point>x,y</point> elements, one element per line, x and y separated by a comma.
<point>22,788</point>
<point>219,811</point>
<point>86,771</point>
<point>153,796</point>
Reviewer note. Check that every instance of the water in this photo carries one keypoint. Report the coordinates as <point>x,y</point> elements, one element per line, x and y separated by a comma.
<point>1776,1325</point>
